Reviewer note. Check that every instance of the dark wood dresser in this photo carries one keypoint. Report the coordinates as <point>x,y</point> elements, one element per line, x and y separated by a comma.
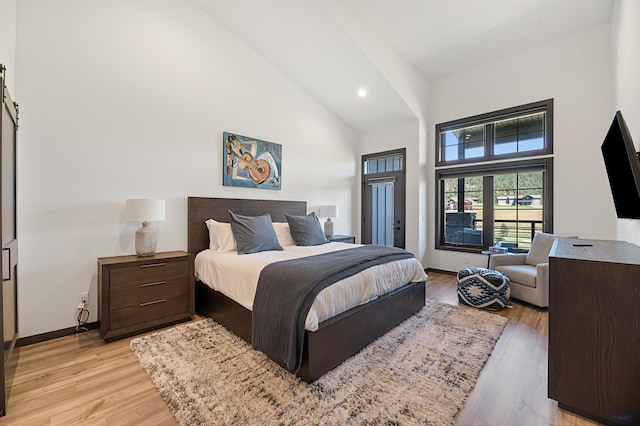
<point>137,294</point>
<point>594,329</point>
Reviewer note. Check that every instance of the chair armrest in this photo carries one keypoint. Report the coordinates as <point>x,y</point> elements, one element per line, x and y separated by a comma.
<point>506,259</point>
<point>542,280</point>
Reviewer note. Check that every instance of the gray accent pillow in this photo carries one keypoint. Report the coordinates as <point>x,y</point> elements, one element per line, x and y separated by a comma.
<point>253,234</point>
<point>306,230</point>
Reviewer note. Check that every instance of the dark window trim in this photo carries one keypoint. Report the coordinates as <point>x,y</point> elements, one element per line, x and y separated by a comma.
<point>530,108</point>
<point>522,166</point>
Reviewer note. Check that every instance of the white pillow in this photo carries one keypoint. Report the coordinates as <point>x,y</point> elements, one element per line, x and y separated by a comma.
<point>213,241</point>
<point>220,236</point>
<point>283,233</point>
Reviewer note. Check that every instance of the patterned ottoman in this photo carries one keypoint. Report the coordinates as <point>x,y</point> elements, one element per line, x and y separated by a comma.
<point>483,288</point>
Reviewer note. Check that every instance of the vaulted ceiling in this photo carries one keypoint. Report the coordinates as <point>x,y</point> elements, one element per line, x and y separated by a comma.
<point>312,42</point>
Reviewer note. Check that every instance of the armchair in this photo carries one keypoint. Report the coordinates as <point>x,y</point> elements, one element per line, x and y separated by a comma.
<point>528,272</point>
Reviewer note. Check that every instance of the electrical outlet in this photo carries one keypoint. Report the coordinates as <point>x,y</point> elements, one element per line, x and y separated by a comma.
<point>466,260</point>
<point>83,297</point>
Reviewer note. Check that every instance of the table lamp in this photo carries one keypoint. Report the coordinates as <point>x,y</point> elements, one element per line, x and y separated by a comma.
<point>328,212</point>
<point>145,211</point>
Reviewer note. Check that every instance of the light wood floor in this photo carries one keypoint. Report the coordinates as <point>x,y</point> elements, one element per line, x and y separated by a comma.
<point>80,380</point>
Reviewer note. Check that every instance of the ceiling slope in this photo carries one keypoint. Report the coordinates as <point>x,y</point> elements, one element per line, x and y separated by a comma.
<point>307,43</point>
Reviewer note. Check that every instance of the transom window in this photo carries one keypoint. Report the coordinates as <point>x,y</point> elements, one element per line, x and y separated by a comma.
<point>510,133</point>
<point>387,163</point>
<point>481,200</point>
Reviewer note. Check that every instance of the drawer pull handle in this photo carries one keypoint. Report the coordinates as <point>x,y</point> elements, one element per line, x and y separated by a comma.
<point>152,284</point>
<point>153,303</point>
<point>8,250</point>
<point>151,265</point>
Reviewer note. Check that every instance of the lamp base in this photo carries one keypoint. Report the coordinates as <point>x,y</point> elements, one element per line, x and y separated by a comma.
<point>146,240</point>
<point>328,228</point>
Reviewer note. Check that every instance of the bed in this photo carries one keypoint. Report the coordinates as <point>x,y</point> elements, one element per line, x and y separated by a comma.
<point>336,338</point>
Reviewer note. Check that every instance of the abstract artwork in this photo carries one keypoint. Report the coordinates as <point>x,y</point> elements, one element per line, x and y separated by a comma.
<point>251,163</point>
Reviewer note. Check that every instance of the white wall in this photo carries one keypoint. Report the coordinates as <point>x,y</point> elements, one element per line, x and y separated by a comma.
<point>625,42</point>
<point>129,98</point>
<point>405,135</point>
<point>8,41</point>
<point>413,88</point>
<point>576,72</point>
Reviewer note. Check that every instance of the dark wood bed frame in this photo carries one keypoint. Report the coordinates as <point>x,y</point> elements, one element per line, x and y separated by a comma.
<point>337,338</point>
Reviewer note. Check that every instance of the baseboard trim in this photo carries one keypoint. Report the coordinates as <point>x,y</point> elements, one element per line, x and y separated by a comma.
<point>440,271</point>
<point>38,338</point>
<point>50,335</point>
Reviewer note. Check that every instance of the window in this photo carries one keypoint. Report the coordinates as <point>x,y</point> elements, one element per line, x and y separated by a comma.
<point>463,143</point>
<point>522,134</point>
<point>516,132</point>
<point>483,199</point>
<point>386,162</point>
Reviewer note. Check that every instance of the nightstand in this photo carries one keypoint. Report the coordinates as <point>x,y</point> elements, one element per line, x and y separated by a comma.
<point>342,239</point>
<point>137,294</point>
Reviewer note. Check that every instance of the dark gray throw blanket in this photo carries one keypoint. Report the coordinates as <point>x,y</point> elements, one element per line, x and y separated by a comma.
<point>286,290</point>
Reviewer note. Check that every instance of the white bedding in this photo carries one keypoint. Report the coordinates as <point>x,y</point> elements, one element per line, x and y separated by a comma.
<point>236,276</point>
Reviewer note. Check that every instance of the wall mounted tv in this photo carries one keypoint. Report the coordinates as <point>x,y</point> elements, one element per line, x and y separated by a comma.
<point>623,168</point>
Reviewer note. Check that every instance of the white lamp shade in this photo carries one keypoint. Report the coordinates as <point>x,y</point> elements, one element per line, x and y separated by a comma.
<point>328,211</point>
<point>145,210</point>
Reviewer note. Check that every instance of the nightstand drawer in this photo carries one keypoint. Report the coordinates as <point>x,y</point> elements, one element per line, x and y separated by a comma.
<point>148,273</point>
<point>148,311</point>
<point>135,294</point>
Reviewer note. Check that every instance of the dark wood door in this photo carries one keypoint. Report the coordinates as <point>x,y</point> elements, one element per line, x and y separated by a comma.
<point>383,198</point>
<point>8,239</point>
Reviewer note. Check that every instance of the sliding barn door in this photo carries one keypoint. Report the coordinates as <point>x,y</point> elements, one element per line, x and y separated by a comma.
<point>8,237</point>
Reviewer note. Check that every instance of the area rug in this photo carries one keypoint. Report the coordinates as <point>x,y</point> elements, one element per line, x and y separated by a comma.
<point>421,372</point>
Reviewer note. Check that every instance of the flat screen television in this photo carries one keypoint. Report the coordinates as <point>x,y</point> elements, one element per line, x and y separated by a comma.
<point>623,168</point>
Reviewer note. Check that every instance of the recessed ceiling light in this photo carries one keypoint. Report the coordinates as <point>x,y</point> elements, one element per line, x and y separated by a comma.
<point>536,24</point>
<point>362,93</point>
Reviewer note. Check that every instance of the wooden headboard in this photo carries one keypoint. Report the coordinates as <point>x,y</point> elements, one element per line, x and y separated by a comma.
<point>202,208</point>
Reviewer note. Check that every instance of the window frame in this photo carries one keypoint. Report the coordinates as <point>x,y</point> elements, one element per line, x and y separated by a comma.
<point>488,171</point>
<point>490,165</point>
<point>487,120</point>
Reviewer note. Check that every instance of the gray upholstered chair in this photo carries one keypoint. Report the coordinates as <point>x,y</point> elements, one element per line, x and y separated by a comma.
<point>528,272</point>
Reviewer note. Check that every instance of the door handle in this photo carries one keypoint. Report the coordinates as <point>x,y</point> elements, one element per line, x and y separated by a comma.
<point>8,250</point>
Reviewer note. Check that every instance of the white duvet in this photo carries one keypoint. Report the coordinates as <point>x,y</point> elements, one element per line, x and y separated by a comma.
<point>236,276</point>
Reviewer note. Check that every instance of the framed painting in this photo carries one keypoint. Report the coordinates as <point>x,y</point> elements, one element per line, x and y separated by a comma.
<point>251,163</point>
